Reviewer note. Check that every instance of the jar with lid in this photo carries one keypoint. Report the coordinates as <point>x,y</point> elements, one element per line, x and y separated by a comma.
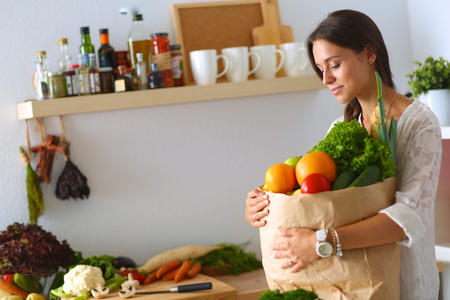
<point>162,58</point>
<point>177,65</point>
<point>58,87</point>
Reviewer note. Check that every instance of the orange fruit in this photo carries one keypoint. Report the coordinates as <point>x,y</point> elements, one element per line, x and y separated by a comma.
<point>316,162</point>
<point>280,178</point>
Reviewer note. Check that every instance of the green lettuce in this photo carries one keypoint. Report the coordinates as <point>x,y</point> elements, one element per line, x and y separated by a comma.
<point>352,148</point>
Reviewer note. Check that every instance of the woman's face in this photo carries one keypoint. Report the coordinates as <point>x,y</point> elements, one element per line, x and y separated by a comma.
<point>344,72</point>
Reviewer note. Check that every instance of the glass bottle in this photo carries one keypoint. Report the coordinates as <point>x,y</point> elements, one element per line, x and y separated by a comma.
<point>71,77</point>
<point>63,52</point>
<point>162,57</point>
<point>94,76</point>
<point>106,54</point>
<point>41,77</point>
<point>155,79</point>
<point>84,87</point>
<point>106,80</point>
<point>122,83</point>
<point>177,65</point>
<point>135,81</point>
<point>141,70</point>
<point>86,46</point>
<point>139,41</point>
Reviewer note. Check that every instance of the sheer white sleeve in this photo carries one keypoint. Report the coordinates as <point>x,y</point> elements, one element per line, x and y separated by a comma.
<point>419,153</point>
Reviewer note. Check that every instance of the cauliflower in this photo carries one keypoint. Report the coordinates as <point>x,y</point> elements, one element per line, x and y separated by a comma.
<point>81,279</point>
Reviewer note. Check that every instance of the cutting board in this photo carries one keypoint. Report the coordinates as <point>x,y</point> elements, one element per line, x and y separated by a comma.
<point>271,31</point>
<point>220,290</point>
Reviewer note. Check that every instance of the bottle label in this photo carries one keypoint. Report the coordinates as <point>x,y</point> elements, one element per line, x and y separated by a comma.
<point>94,80</point>
<point>83,83</point>
<point>177,67</point>
<point>163,60</point>
<point>69,85</point>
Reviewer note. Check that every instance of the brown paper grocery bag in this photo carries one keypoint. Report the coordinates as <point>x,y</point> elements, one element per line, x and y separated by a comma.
<point>369,273</point>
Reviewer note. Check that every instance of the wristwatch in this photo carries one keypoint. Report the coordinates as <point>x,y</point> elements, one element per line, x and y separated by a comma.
<point>323,248</point>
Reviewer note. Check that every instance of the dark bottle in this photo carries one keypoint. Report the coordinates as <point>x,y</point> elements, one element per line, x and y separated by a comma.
<point>106,54</point>
<point>122,83</point>
<point>155,79</point>
<point>86,46</point>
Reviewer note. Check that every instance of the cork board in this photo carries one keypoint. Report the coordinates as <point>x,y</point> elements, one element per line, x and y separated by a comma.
<point>214,25</point>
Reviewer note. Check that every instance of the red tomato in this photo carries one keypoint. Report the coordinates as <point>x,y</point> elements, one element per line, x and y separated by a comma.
<point>141,278</point>
<point>315,183</point>
<point>8,277</point>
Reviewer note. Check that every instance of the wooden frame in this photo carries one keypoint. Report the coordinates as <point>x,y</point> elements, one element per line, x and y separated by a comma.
<point>214,25</point>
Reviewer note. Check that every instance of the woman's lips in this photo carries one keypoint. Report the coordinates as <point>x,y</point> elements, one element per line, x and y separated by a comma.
<point>336,90</point>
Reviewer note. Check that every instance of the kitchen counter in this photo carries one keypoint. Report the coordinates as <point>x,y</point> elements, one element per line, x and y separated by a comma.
<point>249,286</point>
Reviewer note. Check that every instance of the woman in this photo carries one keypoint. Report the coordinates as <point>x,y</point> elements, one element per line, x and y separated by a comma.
<point>345,50</point>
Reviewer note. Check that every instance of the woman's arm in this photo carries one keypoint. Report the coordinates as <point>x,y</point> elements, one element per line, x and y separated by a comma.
<point>300,249</point>
<point>375,231</point>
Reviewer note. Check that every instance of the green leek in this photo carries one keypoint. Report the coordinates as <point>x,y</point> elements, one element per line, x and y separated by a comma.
<point>385,135</point>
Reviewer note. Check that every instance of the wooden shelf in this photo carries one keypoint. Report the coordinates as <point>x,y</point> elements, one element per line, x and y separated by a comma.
<point>177,95</point>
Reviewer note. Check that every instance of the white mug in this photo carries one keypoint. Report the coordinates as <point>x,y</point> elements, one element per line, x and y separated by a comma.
<point>204,66</point>
<point>295,58</point>
<point>268,67</point>
<point>239,63</point>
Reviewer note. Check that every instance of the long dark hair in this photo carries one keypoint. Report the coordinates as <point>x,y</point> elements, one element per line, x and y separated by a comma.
<point>353,30</point>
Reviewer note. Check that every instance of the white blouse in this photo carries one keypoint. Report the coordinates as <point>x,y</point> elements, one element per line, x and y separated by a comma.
<point>419,152</point>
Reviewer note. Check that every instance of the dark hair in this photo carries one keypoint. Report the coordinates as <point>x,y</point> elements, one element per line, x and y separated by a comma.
<point>353,30</point>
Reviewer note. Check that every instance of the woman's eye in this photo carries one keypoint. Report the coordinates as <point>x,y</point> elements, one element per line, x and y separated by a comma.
<point>336,66</point>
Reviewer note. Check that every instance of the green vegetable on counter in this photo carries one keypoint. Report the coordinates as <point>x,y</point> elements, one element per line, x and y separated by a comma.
<point>298,294</point>
<point>28,283</point>
<point>232,258</point>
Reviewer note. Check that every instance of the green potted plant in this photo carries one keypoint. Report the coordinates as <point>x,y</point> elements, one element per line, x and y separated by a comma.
<point>431,82</point>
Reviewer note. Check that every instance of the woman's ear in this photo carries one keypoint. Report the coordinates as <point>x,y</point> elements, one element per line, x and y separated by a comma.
<point>370,53</point>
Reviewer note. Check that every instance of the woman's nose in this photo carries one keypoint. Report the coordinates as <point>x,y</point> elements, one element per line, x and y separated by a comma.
<point>327,77</point>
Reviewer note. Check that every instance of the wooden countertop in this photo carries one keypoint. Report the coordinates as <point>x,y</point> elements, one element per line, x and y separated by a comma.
<point>249,286</point>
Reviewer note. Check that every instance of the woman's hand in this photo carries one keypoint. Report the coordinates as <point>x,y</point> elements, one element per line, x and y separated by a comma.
<point>256,208</point>
<point>298,250</point>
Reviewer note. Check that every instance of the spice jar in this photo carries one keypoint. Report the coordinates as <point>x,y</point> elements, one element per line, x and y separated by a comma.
<point>177,65</point>
<point>162,58</point>
<point>58,88</point>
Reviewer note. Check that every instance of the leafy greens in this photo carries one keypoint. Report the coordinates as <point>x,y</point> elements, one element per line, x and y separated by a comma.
<point>352,148</point>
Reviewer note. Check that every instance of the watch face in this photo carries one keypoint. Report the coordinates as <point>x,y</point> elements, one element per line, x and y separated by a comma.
<point>324,249</point>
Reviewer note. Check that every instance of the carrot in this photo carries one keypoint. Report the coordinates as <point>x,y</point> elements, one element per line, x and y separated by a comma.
<point>13,288</point>
<point>173,264</point>
<point>150,278</point>
<point>171,274</point>
<point>181,253</point>
<point>194,270</point>
<point>185,266</point>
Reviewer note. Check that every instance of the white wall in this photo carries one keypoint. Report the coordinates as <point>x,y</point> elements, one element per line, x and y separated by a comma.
<point>167,176</point>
